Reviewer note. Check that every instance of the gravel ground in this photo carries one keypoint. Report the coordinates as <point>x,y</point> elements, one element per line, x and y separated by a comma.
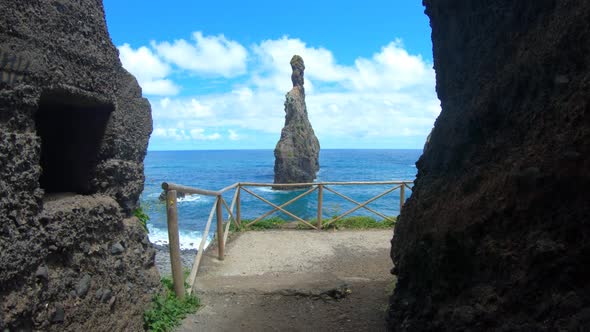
<point>163,259</point>
<point>291,280</point>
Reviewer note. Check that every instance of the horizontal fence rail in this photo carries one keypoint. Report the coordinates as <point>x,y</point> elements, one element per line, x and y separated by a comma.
<point>234,212</point>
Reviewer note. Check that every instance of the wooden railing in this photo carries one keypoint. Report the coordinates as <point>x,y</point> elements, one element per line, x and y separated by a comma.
<point>235,215</point>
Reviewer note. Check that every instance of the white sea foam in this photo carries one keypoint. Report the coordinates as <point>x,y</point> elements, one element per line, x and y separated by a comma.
<point>192,198</point>
<point>188,240</point>
<point>266,190</point>
<point>270,190</point>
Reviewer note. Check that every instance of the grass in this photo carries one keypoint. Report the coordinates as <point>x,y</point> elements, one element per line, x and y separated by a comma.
<point>269,223</point>
<point>354,222</point>
<point>167,310</point>
<point>143,217</point>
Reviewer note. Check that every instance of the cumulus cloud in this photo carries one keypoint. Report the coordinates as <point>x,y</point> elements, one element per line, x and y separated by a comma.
<point>210,55</point>
<point>199,134</point>
<point>149,69</point>
<point>274,70</point>
<point>392,69</point>
<point>181,134</point>
<point>386,95</point>
<point>172,133</point>
<point>233,135</point>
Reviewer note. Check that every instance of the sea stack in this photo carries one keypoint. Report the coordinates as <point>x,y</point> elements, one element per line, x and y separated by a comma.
<point>297,152</point>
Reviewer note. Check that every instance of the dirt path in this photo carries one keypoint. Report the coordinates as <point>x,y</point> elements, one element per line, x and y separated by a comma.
<point>290,280</point>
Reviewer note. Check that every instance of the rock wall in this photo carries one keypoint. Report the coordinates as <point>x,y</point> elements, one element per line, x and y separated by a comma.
<point>496,235</point>
<point>73,134</point>
<point>297,152</point>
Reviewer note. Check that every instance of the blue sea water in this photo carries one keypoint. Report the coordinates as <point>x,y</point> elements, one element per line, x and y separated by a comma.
<point>214,170</point>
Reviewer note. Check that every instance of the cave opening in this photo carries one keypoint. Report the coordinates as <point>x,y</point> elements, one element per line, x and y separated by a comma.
<point>71,128</point>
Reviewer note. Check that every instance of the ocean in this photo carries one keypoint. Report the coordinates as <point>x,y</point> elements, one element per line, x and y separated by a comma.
<point>214,170</point>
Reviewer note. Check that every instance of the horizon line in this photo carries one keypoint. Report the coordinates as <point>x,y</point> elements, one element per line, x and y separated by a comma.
<point>271,149</point>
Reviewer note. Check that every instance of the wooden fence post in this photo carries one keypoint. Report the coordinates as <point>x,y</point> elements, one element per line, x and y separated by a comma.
<point>174,243</point>
<point>238,208</point>
<point>402,197</point>
<point>220,244</point>
<point>320,202</point>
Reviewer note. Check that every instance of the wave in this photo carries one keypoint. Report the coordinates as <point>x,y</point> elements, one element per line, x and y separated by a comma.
<point>188,240</point>
<point>270,190</point>
<point>194,198</point>
<point>153,195</point>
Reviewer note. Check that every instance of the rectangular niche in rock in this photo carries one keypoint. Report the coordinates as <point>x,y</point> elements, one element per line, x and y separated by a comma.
<point>71,128</point>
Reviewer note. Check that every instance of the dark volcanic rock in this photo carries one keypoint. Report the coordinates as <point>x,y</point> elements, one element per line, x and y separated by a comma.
<point>297,152</point>
<point>74,129</point>
<point>496,235</point>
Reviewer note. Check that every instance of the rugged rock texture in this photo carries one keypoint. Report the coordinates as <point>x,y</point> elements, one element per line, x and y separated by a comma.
<point>496,235</point>
<point>73,134</point>
<point>297,152</point>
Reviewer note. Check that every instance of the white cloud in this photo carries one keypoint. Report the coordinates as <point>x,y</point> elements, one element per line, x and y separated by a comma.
<point>210,55</point>
<point>173,133</point>
<point>199,134</point>
<point>320,64</point>
<point>259,110</point>
<point>389,94</point>
<point>159,87</point>
<point>149,70</point>
<point>233,135</point>
<point>181,134</point>
<point>392,69</point>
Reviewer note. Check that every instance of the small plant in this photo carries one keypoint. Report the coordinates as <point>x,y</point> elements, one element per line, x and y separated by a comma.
<point>143,217</point>
<point>354,222</point>
<point>167,310</point>
<point>362,222</point>
<point>270,223</point>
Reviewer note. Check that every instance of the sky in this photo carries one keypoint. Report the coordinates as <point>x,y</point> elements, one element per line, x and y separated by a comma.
<point>216,72</point>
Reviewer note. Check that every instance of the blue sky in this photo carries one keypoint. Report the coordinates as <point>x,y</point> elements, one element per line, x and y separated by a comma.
<point>216,72</point>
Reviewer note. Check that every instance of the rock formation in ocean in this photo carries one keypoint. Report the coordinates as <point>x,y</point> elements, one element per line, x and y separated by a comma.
<point>496,235</point>
<point>74,129</point>
<point>297,152</point>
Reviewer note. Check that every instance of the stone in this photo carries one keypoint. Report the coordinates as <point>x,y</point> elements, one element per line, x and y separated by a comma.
<point>297,151</point>
<point>117,249</point>
<point>106,295</point>
<point>98,294</point>
<point>112,302</point>
<point>83,286</point>
<point>42,272</point>
<point>119,265</point>
<point>58,314</point>
<point>512,78</point>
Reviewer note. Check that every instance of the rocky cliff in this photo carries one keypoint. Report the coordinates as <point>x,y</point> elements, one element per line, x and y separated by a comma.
<point>73,134</point>
<point>496,235</point>
<point>297,152</point>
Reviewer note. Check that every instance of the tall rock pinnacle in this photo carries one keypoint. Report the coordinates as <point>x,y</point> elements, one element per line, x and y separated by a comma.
<point>297,152</point>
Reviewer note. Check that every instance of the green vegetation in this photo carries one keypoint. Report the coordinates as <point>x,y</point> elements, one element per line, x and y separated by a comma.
<point>269,223</point>
<point>353,222</point>
<point>391,286</point>
<point>142,216</point>
<point>167,310</point>
<point>389,289</point>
